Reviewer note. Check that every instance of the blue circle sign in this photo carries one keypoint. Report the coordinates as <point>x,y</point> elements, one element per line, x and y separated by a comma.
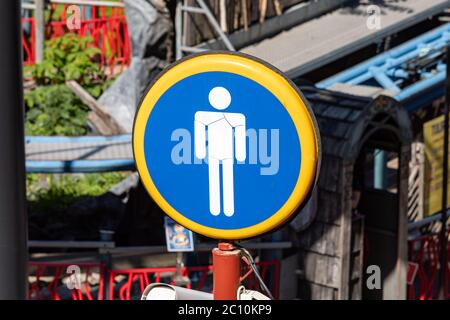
<point>226,145</point>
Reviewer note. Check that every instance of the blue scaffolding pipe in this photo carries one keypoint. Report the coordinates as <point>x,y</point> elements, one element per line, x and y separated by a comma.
<point>83,139</point>
<point>436,38</point>
<point>421,87</point>
<point>78,166</point>
<point>387,70</point>
<point>380,172</point>
<point>384,80</point>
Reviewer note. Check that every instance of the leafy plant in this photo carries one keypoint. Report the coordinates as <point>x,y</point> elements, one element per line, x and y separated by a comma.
<point>71,58</point>
<point>54,110</point>
<point>58,191</point>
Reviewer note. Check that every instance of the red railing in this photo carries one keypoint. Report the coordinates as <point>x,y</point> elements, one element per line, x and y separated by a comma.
<point>425,252</point>
<point>124,284</point>
<point>48,280</point>
<point>130,283</point>
<point>28,41</point>
<point>107,27</point>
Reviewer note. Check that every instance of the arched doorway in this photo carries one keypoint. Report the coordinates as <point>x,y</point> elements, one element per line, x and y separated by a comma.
<point>378,243</point>
<point>368,138</point>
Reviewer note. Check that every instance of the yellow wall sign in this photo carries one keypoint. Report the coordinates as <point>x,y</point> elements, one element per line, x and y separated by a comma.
<point>226,145</point>
<point>433,135</point>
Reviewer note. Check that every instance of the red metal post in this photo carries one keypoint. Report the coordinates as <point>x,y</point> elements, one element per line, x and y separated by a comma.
<point>226,271</point>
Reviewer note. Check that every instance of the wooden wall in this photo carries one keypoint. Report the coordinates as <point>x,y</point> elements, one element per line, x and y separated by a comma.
<point>328,267</point>
<point>324,247</point>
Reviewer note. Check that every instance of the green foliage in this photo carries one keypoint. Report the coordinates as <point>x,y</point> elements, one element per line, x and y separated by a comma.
<point>70,58</point>
<point>58,191</point>
<point>54,110</point>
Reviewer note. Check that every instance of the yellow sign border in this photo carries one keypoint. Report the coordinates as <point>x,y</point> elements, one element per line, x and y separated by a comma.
<point>282,88</point>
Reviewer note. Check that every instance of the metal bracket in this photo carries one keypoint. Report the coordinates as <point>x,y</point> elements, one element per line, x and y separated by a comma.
<point>202,8</point>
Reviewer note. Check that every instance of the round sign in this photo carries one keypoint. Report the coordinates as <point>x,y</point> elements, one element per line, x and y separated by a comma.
<point>226,145</point>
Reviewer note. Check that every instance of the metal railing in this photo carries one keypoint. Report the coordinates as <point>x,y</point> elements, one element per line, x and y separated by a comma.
<point>102,20</point>
<point>424,252</point>
<point>95,281</point>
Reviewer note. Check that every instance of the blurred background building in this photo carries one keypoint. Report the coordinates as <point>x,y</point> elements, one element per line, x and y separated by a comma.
<point>374,73</point>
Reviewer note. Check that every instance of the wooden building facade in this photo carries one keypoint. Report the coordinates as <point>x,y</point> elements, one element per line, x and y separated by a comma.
<point>357,224</point>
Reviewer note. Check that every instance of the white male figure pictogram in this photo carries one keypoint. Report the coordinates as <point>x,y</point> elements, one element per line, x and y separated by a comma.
<point>221,148</point>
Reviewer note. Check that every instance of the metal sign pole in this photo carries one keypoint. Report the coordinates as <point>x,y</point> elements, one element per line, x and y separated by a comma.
<point>179,279</point>
<point>226,271</point>
<point>13,245</point>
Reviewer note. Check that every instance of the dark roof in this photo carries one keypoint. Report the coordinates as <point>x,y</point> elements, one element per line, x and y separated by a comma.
<point>343,119</point>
